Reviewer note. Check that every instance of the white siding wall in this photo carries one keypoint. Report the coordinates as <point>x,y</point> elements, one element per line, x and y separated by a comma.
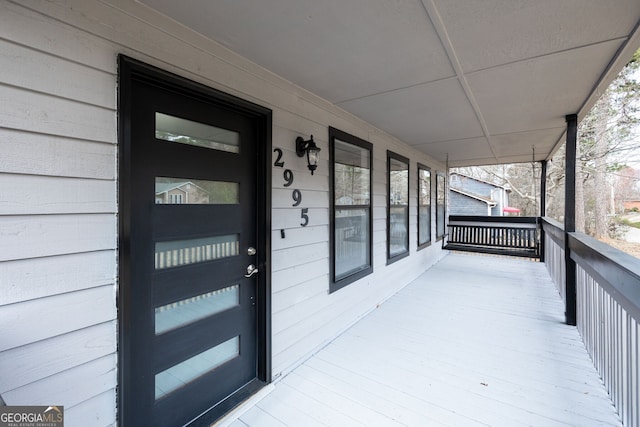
<point>58,222</point>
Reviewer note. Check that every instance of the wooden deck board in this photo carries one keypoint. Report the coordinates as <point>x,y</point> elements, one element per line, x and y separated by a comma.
<point>473,341</point>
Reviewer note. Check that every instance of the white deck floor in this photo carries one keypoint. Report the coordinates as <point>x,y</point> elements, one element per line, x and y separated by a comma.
<point>476,340</point>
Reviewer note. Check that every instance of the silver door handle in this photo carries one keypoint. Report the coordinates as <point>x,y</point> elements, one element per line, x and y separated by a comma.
<point>251,270</point>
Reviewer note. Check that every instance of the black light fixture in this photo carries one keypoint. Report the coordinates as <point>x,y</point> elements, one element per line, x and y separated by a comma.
<point>311,149</point>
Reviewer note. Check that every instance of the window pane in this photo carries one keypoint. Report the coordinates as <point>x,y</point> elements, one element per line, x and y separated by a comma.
<point>180,313</point>
<point>352,174</point>
<point>440,220</point>
<point>440,204</point>
<point>424,223</point>
<point>424,206</point>
<point>425,187</point>
<point>183,252</point>
<point>398,182</point>
<point>398,230</point>
<point>183,373</point>
<point>183,131</point>
<point>196,192</point>
<point>398,220</point>
<point>351,241</point>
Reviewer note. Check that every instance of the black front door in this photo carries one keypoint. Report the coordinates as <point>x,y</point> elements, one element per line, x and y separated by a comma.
<point>192,250</point>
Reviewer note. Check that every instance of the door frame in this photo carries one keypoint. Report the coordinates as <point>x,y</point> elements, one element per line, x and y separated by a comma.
<point>129,71</point>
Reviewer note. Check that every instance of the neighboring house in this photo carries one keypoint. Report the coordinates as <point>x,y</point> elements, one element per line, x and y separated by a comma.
<point>473,196</point>
<point>465,203</point>
<point>631,205</point>
<point>181,192</point>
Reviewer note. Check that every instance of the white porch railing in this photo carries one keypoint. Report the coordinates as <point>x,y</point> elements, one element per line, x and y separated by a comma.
<point>608,312</point>
<point>554,254</point>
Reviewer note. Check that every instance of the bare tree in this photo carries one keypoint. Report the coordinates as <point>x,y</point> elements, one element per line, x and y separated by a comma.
<point>607,137</point>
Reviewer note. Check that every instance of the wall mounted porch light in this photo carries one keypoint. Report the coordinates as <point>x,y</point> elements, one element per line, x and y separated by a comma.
<point>310,149</point>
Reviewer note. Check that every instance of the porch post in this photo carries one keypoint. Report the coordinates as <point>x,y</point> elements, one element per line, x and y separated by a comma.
<point>543,188</point>
<point>543,204</point>
<point>570,216</point>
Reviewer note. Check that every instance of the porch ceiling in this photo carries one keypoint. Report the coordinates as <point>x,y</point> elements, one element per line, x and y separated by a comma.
<point>480,81</point>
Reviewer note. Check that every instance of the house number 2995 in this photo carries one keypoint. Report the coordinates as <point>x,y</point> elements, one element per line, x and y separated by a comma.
<point>296,194</point>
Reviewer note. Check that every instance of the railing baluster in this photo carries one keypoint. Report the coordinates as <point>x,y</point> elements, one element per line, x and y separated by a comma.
<point>627,381</point>
<point>615,396</point>
<point>635,377</point>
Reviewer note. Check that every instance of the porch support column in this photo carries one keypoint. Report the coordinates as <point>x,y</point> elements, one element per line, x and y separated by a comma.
<point>570,216</point>
<point>543,204</point>
<point>543,188</point>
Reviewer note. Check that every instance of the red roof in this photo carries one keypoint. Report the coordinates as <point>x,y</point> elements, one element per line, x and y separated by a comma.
<point>510,209</point>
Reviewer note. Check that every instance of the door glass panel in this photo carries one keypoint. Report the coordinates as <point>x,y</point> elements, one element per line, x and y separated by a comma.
<point>183,131</point>
<point>189,310</point>
<point>196,192</point>
<point>183,373</point>
<point>183,252</point>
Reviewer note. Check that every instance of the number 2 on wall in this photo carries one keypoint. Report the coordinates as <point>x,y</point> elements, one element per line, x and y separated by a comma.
<point>279,163</point>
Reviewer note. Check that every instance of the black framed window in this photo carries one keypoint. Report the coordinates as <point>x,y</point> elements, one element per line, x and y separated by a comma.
<point>351,225</point>
<point>397,207</point>
<point>424,206</point>
<point>440,205</point>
